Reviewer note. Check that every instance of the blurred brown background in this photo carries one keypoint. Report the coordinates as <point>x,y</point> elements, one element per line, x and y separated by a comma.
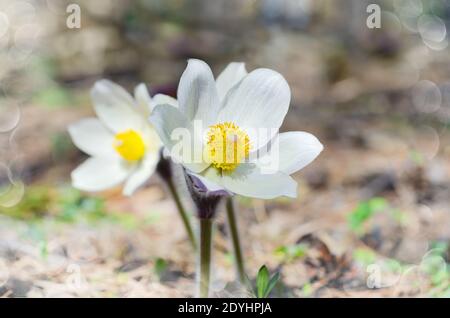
<point>378,99</point>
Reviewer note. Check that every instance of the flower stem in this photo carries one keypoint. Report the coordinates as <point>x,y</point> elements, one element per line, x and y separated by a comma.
<point>205,256</point>
<point>234,232</point>
<point>182,212</point>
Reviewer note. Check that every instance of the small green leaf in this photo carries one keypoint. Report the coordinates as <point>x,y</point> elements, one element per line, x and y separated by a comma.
<point>53,96</point>
<point>265,283</point>
<point>43,249</point>
<point>262,281</point>
<point>440,247</point>
<point>307,290</point>
<point>290,253</point>
<point>229,258</point>
<point>160,266</point>
<point>364,211</point>
<point>377,204</point>
<point>417,157</point>
<point>364,256</point>
<point>273,281</point>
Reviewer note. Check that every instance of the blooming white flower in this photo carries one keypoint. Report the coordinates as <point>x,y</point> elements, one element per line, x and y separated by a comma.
<point>122,144</point>
<point>231,109</point>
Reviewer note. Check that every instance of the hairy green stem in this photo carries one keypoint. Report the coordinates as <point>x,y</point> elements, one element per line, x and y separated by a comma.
<point>234,233</point>
<point>182,212</point>
<point>205,257</point>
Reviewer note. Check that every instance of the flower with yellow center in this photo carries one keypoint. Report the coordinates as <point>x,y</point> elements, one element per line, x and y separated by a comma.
<point>227,146</point>
<point>123,146</point>
<point>130,145</point>
<point>240,115</point>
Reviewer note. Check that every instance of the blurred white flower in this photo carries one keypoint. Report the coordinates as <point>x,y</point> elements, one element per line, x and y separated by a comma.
<point>122,144</point>
<point>232,111</point>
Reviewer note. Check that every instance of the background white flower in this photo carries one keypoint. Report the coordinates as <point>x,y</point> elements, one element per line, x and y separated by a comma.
<point>122,144</point>
<point>231,109</point>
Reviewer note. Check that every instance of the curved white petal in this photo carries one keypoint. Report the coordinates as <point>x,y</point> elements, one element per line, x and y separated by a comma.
<point>176,133</point>
<point>151,139</point>
<point>230,76</point>
<point>259,101</point>
<point>197,93</point>
<point>166,119</point>
<point>115,107</point>
<point>97,174</point>
<point>291,151</point>
<point>247,180</point>
<point>211,180</point>
<point>141,174</point>
<point>164,99</point>
<point>143,99</point>
<point>92,137</point>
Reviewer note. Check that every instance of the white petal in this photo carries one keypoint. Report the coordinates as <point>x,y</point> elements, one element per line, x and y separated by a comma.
<point>165,119</point>
<point>164,99</point>
<point>97,174</point>
<point>176,133</point>
<point>297,149</point>
<point>229,77</point>
<point>259,101</point>
<point>141,174</point>
<point>151,139</point>
<point>197,93</point>
<point>211,179</point>
<point>92,137</point>
<point>247,180</point>
<point>143,99</point>
<point>115,107</point>
<point>290,152</point>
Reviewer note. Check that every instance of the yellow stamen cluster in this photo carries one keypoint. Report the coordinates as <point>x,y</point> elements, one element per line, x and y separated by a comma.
<point>130,145</point>
<point>227,146</point>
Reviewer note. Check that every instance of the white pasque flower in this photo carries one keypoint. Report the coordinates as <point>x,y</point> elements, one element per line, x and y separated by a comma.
<point>122,144</point>
<point>231,109</point>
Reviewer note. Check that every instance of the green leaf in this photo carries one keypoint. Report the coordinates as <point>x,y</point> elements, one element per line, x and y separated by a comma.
<point>440,247</point>
<point>53,96</point>
<point>307,290</point>
<point>273,281</point>
<point>290,253</point>
<point>417,157</point>
<point>265,283</point>
<point>262,281</point>
<point>61,146</point>
<point>364,256</point>
<point>43,249</point>
<point>377,204</point>
<point>364,211</point>
<point>160,266</point>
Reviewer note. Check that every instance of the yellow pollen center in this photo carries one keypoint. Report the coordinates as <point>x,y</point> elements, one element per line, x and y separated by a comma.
<point>129,145</point>
<point>227,146</point>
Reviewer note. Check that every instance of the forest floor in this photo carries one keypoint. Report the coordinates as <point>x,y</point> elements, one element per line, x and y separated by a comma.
<point>371,220</point>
